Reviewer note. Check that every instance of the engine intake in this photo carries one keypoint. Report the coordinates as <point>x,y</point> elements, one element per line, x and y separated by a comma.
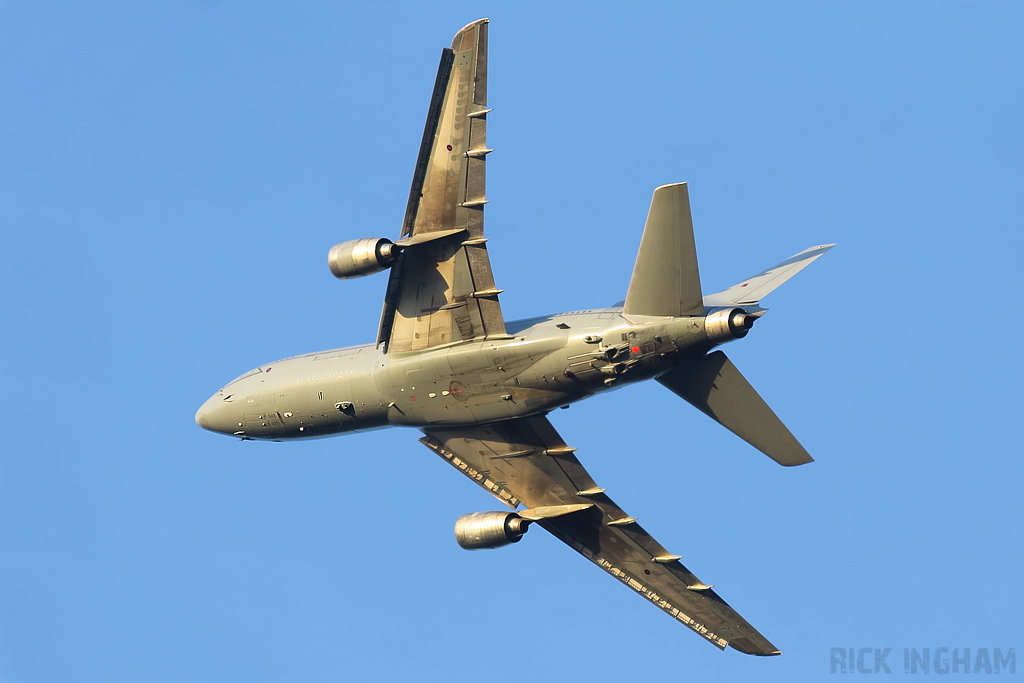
<point>481,530</point>
<point>357,258</point>
<point>727,324</point>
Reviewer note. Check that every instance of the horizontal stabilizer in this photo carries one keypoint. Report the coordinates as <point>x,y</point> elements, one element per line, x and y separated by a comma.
<point>755,288</point>
<point>714,386</point>
<point>665,278</point>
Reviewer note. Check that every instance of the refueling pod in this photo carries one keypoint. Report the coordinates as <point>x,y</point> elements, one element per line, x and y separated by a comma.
<point>481,530</point>
<point>357,258</point>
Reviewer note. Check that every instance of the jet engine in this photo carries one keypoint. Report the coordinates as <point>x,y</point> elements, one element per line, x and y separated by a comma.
<point>724,325</point>
<point>481,530</point>
<point>357,258</point>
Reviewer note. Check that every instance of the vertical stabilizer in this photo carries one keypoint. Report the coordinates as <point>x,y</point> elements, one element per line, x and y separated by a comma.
<point>665,278</point>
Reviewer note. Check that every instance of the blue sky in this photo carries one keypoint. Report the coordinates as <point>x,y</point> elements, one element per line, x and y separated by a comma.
<point>172,175</point>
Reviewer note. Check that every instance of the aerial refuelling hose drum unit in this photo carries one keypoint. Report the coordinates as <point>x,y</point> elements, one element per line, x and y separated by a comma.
<point>481,530</point>
<point>727,324</point>
<point>357,258</point>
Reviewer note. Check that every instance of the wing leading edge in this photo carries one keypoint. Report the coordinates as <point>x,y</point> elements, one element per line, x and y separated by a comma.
<point>442,290</point>
<point>525,462</point>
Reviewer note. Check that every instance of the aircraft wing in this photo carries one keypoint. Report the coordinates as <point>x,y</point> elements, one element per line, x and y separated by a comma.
<point>525,462</point>
<point>440,288</point>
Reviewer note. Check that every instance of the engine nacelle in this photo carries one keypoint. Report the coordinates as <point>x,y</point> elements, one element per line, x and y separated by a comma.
<point>728,324</point>
<point>489,529</point>
<point>357,258</point>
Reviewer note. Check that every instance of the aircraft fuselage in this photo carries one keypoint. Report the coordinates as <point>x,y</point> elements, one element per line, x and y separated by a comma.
<point>541,364</point>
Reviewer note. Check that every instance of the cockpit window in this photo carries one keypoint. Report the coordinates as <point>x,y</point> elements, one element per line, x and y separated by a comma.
<point>254,371</point>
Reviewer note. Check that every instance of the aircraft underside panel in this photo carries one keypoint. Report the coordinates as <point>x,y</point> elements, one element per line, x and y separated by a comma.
<point>525,462</point>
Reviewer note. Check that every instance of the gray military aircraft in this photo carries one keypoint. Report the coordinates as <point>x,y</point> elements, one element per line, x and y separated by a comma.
<point>479,388</point>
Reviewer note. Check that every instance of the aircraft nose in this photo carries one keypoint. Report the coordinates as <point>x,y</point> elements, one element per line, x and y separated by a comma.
<point>216,416</point>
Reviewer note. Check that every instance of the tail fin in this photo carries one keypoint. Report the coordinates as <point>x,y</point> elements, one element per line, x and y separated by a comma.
<point>714,386</point>
<point>665,278</point>
<point>757,287</point>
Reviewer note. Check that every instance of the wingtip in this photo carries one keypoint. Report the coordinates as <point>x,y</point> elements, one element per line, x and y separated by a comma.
<point>470,25</point>
<point>748,647</point>
<point>817,248</point>
<point>660,187</point>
